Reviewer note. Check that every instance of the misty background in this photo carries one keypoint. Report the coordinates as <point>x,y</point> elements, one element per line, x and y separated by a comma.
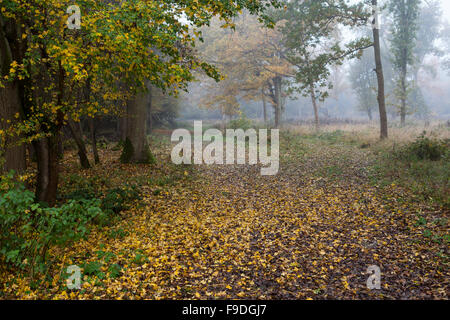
<point>431,100</point>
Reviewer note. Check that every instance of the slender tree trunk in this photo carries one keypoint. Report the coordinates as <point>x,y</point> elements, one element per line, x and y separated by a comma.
<point>369,113</point>
<point>263,95</point>
<point>315,107</point>
<point>93,131</point>
<point>91,123</point>
<point>224,120</point>
<point>77,135</point>
<point>41,150</point>
<point>380,77</point>
<point>277,85</point>
<point>403,97</point>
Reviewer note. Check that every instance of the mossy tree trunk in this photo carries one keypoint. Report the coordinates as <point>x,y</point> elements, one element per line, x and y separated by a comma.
<point>136,148</point>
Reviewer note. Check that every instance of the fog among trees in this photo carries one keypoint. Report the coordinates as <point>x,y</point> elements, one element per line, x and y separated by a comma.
<point>351,83</point>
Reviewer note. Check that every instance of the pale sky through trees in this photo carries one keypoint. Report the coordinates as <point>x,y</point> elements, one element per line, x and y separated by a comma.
<point>445,9</point>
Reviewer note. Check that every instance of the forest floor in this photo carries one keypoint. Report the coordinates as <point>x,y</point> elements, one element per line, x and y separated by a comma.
<point>226,232</point>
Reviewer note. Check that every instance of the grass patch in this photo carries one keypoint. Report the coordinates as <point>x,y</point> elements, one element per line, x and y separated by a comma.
<point>421,166</point>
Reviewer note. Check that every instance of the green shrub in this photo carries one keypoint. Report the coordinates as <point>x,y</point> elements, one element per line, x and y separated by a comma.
<point>151,159</point>
<point>79,188</point>
<point>242,123</point>
<point>28,230</point>
<point>7,181</point>
<point>116,199</point>
<point>425,148</point>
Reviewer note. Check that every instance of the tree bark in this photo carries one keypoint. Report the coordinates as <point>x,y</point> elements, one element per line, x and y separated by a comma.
<point>264,106</point>
<point>91,123</point>
<point>315,107</point>
<point>122,128</point>
<point>10,105</point>
<point>93,131</point>
<point>277,85</point>
<point>48,169</point>
<point>137,129</point>
<point>380,78</point>
<point>149,113</point>
<point>223,123</point>
<point>77,135</point>
<point>403,97</point>
<point>10,98</point>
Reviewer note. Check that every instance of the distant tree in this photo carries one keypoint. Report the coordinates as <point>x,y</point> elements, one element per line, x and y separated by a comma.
<point>364,82</point>
<point>445,37</point>
<point>429,23</point>
<point>312,45</point>
<point>404,30</point>
<point>250,59</point>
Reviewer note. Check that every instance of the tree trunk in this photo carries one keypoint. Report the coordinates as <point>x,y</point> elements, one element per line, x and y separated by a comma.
<point>48,169</point>
<point>149,113</point>
<point>380,77</point>
<point>316,108</point>
<point>75,129</point>
<point>136,149</point>
<point>264,106</point>
<point>369,113</point>
<point>91,123</point>
<point>403,97</point>
<point>277,85</point>
<point>223,123</point>
<point>122,128</point>
<point>277,116</point>
<point>93,131</point>
<point>10,105</point>
<point>10,98</point>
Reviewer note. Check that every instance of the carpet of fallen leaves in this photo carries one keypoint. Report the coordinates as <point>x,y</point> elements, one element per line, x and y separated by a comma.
<point>226,232</point>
